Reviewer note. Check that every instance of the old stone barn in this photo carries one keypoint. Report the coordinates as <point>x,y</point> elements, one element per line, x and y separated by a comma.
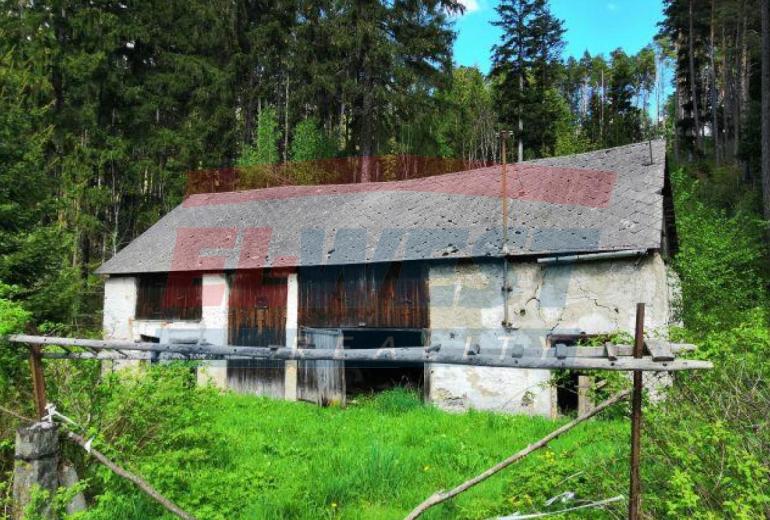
<point>407,263</point>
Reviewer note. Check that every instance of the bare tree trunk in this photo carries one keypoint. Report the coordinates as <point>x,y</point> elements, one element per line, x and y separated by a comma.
<point>737,89</point>
<point>247,102</point>
<point>693,80</point>
<point>745,72</point>
<point>658,81</point>
<point>765,6</point>
<point>726,96</point>
<point>678,117</point>
<point>366,136</point>
<point>601,115</point>
<point>714,96</point>
<point>520,154</point>
<point>286,122</point>
<point>679,114</point>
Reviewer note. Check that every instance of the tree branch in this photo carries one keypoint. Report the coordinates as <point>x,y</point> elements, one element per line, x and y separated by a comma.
<point>141,484</point>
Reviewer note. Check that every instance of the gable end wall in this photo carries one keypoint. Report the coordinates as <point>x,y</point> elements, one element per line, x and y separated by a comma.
<point>466,308</point>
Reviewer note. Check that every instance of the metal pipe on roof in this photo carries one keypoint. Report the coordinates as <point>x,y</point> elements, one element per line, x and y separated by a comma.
<point>591,256</point>
<point>506,289</point>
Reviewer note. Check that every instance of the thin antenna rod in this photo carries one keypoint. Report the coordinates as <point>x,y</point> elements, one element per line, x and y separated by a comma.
<point>504,203</point>
<point>504,190</point>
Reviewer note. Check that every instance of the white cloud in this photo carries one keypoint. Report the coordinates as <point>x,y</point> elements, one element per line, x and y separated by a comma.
<point>471,6</point>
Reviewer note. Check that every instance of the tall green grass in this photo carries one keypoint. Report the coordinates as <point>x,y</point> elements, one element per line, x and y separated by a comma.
<point>376,459</point>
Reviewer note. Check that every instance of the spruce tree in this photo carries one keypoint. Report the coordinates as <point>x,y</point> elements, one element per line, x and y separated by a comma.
<point>525,63</point>
<point>392,49</point>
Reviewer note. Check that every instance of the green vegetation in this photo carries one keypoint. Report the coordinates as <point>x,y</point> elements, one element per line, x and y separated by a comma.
<point>556,105</point>
<point>265,147</point>
<point>310,142</point>
<point>226,456</point>
<point>722,260</point>
<point>707,444</point>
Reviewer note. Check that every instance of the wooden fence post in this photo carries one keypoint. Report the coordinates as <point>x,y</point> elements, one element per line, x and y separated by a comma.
<point>38,383</point>
<point>635,492</point>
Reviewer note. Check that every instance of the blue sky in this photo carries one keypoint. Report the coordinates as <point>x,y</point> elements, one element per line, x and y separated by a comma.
<point>599,26</point>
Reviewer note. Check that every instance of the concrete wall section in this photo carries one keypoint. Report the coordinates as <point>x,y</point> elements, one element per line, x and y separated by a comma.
<point>466,308</point>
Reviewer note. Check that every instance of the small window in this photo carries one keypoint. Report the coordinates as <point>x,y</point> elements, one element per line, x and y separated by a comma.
<point>174,296</point>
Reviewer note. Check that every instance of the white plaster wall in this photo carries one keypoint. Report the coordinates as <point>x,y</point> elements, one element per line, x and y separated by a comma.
<point>466,307</point>
<point>119,307</point>
<point>214,318</point>
<point>292,313</point>
<point>119,312</point>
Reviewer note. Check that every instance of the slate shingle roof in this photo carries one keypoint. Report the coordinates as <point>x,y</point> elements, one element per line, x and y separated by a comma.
<point>608,200</point>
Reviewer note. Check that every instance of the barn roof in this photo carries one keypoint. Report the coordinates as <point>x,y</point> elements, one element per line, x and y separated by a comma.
<point>607,200</point>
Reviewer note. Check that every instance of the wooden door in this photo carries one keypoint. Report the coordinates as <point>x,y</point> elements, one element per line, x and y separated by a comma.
<point>257,317</point>
<point>321,382</point>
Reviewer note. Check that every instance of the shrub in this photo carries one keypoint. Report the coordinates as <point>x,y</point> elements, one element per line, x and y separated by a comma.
<point>14,374</point>
<point>714,430</point>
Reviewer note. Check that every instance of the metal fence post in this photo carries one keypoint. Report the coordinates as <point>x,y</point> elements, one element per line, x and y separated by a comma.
<point>635,493</point>
<point>38,383</point>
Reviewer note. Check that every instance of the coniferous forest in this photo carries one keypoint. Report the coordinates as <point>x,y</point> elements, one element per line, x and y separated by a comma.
<point>106,106</point>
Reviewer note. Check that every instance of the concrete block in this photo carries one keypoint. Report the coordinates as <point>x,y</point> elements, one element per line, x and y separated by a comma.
<point>35,468</point>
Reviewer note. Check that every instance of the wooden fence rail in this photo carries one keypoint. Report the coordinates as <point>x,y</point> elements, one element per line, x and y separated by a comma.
<point>608,357</point>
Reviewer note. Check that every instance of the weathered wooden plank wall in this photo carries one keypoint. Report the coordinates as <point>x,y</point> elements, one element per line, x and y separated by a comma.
<point>322,381</point>
<point>257,317</point>
<point>390,294</point>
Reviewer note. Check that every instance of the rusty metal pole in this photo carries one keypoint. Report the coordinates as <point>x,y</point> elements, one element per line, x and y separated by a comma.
<point>38,383</point>
<point>635,492</point>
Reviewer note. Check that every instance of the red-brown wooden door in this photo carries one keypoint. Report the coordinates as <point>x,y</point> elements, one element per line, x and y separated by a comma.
<point>257,317</point>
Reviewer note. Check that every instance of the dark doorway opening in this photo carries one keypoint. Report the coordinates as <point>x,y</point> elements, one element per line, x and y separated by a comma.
<point>567,392</point>
<point>369,377</point>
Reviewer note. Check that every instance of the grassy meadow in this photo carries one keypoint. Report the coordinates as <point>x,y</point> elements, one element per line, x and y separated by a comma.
<point>236,456</point>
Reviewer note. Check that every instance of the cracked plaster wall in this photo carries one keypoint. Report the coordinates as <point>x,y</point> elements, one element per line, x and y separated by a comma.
<point>466,308</point>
